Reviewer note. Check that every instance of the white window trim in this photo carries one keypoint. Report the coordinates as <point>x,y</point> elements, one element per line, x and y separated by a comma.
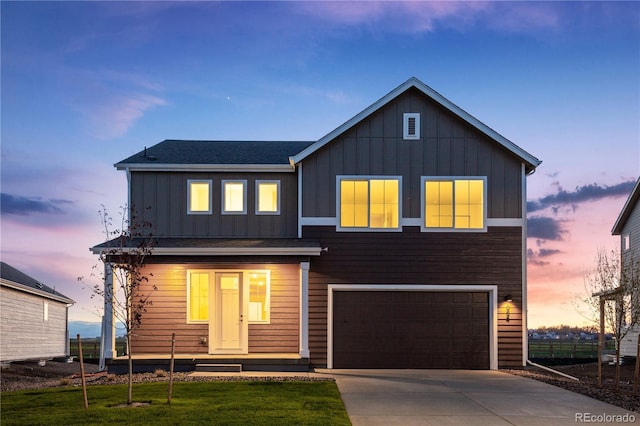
<point>339,178</point>
<point>405,126</point>
<point>424,179</point>
<point>258,212</point>
<point>244,197</point>
<point>45,311</point>
<point>207,181</point>
<point>245,282</point>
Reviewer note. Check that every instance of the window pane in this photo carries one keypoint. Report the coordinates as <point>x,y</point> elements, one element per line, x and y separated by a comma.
<point>199,197</point>
<point>267,197</point>
<point>439,204</point>
<point>384,203</point>
<point>354,203</point>
<point>258,296</point>
<point>234,197</point>
<point>198,296</point>
<point>469,210</point>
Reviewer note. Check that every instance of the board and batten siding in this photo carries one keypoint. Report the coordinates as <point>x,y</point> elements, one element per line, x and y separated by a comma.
<point>161,199</point>
<point>24,333</point>
<point>414,257</point>
<point>448,147</point>
<point>168,312</point>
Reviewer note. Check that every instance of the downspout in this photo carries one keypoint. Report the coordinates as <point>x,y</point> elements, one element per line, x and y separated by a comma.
<point>525,309</point>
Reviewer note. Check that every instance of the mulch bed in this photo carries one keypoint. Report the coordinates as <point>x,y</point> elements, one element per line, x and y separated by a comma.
<point>588,384</point>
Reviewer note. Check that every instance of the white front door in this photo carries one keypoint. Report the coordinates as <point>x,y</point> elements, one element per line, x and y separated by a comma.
<point>228,330</point>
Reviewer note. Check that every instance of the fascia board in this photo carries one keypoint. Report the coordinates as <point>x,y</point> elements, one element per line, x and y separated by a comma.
<point>138,167</point>
<point>532,161</point>
<point>228,251</point>
<point>627,209</point>
<point>31,290</point>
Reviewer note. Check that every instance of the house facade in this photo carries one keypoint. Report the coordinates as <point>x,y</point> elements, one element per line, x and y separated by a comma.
<point>397,240</point>
<point>33,318</point>
<point>627,226</point>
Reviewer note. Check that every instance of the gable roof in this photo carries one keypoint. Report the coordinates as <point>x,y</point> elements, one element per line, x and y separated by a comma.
<point>199,155</point>
<point>530,161</point>
<point>14,278</point>
<point>627,209</point>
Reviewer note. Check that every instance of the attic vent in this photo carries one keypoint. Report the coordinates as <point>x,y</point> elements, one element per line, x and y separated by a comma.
<point>39,285</point>
<point>411,126</point>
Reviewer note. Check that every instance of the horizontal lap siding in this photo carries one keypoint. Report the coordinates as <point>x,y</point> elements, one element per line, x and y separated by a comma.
<point>413,257</point>
<point>24,333</point>
<point>168,312</point>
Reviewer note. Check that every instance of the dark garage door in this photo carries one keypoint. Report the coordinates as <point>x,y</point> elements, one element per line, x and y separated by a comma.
<point>410,329</point>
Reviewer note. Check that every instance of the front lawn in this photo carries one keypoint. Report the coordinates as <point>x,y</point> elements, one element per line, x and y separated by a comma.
<point>229,403</point>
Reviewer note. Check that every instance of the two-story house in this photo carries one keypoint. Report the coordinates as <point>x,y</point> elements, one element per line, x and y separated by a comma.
<point>397,240</point>
<point>627,226</point>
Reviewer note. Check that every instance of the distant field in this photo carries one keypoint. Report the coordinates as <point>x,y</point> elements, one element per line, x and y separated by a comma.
<point>566,348</point>
<point>91,347</point>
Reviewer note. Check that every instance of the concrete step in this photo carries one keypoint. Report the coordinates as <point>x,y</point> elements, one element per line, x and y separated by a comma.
<point>219,368</point>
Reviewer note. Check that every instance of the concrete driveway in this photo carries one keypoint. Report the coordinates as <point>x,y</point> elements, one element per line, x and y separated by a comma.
<point>457,397</point>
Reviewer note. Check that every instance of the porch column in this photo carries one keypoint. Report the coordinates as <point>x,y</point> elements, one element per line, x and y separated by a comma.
<point>108,340</point>
<point>304,309</point>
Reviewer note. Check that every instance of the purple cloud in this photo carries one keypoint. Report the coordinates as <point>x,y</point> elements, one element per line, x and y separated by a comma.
<point>24,206</point>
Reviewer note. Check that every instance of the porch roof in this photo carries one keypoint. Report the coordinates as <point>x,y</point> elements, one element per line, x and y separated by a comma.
<point>218,246</point>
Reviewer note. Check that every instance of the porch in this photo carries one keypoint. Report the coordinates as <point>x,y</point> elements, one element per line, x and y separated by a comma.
<point>148,363</point>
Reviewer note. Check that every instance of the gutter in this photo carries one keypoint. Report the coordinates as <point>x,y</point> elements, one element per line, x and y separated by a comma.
<point>551,370</point>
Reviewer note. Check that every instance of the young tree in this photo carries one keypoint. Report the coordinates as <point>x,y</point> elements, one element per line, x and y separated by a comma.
<point>612,298</point>
<point>125,253</point>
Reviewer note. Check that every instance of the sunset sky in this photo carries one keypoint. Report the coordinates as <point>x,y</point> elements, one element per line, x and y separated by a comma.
<point>86,84</point>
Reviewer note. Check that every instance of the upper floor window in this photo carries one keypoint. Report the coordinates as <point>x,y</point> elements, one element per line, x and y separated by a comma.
<point>234,197</point>
<point>198,196</point>
<point>369,203</point>
<point>268,197</point>
<point>454,203</point>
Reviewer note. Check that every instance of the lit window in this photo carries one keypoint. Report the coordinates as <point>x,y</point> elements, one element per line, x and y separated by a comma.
<point>256,282</point>
<point>199,196</point>
<point>234,197</point>
<point>198,297</point>
<point>454,203</point>
<point>267,197</point>
<point>45,312</point>
<point>258,296</point>
<point>369,203</point>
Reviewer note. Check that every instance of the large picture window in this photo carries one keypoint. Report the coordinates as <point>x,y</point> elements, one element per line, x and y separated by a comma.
<point>369,203</point>
<point>454,203</point>
<point>198,196</point>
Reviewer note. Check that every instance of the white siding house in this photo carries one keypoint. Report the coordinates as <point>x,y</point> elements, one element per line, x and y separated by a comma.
<point>627,226</point>
<point>33,318</point>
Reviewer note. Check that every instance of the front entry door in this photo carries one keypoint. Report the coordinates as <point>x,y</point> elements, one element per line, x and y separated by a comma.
<point>228,330</point>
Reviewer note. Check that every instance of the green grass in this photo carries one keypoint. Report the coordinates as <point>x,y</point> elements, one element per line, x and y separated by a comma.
<point>228,403</point>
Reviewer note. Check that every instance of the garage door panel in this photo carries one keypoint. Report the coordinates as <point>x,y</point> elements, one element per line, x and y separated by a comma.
<point>410,329</point>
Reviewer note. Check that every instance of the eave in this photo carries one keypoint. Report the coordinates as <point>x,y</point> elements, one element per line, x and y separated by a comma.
<point>31,290</point>
<point>627,210</point>
<point>529,160</point>
<point>143,167</point>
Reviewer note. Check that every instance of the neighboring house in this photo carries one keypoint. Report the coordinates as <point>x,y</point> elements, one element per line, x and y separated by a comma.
<point>397,240</point>
<point>33,318</point>
<point>628,227</point>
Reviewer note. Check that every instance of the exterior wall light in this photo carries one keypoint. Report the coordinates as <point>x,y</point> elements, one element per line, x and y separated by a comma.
<point>508,299</point>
